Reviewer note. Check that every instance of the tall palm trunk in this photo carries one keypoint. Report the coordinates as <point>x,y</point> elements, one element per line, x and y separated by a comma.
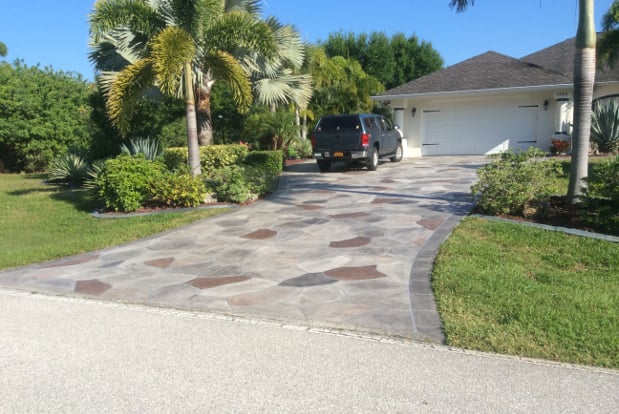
<point>584,78</point>
<point>205,123</point>
<point>193,150</point>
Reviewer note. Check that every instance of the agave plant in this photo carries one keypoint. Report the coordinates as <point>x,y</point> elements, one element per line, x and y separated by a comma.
<point>90,182</point>
<point>605,126</point>
<point>151,148</point>
<point>69,168</point>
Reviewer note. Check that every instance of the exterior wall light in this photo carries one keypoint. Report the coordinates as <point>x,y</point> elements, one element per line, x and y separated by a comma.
<point>546,105</point>
<point>413,111</point>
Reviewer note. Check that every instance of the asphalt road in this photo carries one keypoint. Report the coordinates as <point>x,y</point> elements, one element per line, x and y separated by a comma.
<point>71,355</point>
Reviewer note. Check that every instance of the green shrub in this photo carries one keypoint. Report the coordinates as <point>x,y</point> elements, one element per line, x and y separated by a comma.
<point>271,162</point>
<point>231,184</point>
<point>603,180</point>
<point>124,182</point>
<point>300,148</point>
<point>213,157</point>
<point>176,158</point>
<point>605,126</point>
<point>177,189</point>
<point>515,181</point>
<point>69,168</point>
<point>150,148</point>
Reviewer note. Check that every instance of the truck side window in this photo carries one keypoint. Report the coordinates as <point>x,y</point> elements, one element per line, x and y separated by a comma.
<point>386,124</point>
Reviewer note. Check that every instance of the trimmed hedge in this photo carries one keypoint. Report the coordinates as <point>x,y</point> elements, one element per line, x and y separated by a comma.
<point>271,162</point>
<point>212,157</point>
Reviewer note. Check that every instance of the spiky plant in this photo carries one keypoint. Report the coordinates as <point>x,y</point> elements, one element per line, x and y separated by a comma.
<point>68,168</point>
<point>151,148</point>
<point>605,126</point>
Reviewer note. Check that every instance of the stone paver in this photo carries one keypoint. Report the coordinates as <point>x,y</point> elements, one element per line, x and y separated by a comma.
<point>350,249</point>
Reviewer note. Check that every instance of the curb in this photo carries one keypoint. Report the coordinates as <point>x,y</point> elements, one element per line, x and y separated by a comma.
<point>116,215</point>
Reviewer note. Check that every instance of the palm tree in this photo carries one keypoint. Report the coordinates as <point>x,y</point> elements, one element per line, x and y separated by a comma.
<point>279,81</point>
<point>584,79</point>
<point>179,46</point>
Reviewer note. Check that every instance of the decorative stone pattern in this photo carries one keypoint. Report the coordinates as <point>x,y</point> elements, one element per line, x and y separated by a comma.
<point>160,263</point>
<point>355,242</point>
<point>347,249</point>
<point>92,287</point>
<point>355,273</point>
<point>211,282</point>
<point>261,234</point>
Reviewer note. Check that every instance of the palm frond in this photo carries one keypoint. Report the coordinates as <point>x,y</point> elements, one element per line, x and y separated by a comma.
<point>137,16</point>
<point>235,30</point>
<point>290,47</point>
<point>461,5</point>
<point>249,6</point>
<point>284,89</point>
<point>171,50</point>
<point>226,68</point>
<point>126,89</point>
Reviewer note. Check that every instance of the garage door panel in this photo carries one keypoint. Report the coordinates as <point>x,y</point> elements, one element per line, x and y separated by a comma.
<point>484,127</point>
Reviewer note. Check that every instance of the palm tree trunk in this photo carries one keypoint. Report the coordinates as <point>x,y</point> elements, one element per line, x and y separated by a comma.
<point>193,150</point>
<point>584,79</point>
<point>205,124</point>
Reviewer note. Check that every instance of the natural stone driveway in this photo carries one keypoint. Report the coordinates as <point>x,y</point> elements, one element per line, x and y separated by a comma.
<point>349,249</point>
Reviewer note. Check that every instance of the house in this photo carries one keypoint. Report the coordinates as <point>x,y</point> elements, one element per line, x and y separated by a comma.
<point>492,102</point>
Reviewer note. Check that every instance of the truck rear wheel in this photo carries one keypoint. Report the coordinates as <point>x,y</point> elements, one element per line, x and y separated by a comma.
<point>324,165</point>
<point>373,159</point>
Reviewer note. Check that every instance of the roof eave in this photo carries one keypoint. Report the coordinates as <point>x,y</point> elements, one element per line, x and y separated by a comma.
<point>474,92</point>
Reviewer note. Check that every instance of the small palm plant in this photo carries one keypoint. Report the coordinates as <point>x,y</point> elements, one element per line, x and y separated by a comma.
<point>605,126</point>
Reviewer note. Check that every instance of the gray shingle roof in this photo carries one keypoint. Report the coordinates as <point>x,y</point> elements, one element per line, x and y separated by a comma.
<point>491,70</point>
<point>560,58</point>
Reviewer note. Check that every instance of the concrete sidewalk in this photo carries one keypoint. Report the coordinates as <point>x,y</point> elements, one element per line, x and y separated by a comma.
<point>348,249</point>
<point>73,355</point>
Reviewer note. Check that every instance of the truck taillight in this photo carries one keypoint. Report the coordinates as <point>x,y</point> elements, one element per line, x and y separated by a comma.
<point>313,141</point>
<point>365,139</point>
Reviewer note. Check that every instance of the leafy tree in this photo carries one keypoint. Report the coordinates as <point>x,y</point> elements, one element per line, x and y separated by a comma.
<point>608,44</point>
<point>393,61</point>
<point>3,49</point>
<point>180,46</point>
<point>340,84</point>
<point>43,113</point>
<point>584,80</point>
<point>155,118</point>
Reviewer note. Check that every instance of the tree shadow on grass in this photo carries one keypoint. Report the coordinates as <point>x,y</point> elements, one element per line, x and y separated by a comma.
<point>77,197</point>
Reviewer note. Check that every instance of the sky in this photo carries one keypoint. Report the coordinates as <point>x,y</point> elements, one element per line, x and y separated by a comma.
<point>55,33</point>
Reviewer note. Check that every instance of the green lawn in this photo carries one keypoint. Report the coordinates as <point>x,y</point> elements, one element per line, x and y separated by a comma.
<point>39,222</point>
<point>517,290</point>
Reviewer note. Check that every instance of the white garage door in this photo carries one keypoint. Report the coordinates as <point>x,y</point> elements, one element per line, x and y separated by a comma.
<point>483,127</point>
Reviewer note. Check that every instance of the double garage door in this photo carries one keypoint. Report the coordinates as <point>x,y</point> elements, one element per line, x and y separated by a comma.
<point>478,127</point>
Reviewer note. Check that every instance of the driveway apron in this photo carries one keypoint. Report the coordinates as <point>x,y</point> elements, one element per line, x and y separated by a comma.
<point>348,249</point>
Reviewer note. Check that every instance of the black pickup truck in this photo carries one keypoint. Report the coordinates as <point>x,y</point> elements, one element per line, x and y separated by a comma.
<point>362,138</point>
